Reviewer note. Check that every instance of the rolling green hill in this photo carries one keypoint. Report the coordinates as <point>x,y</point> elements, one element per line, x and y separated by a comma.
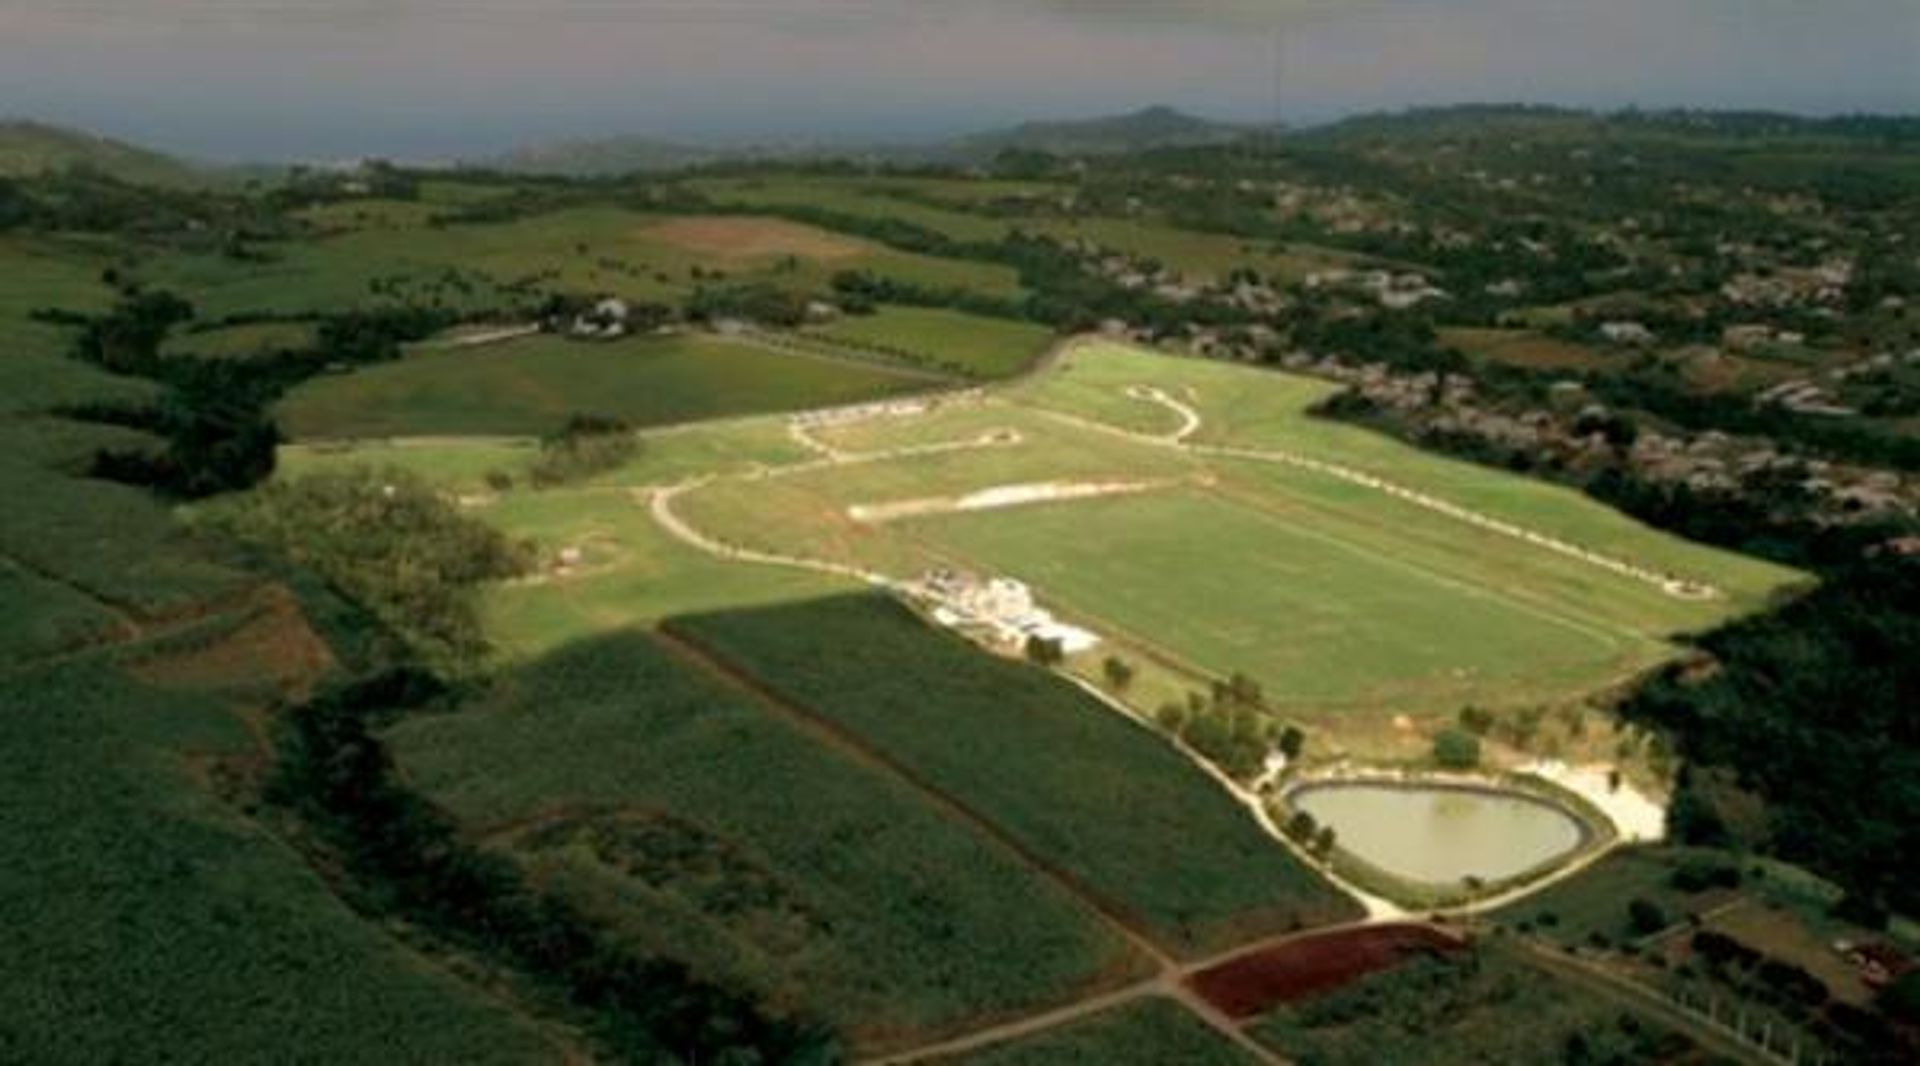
<point>32,148</point>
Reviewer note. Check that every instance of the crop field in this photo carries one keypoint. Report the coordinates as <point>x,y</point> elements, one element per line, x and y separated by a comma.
<point>1484,1006</point>
<point>876,200</point>
<point>1036,757</point>
<point>147,920</point>
<point>1199,256</point>
<point>476,266</point>
<point>969,345</point>
<point>113,542</point>
<point>531,386</point>
<point>1339,597</point>
<point>40,274</point>
<point>712,828</point>
<point>43,617</point>
<point>1152,1032</point>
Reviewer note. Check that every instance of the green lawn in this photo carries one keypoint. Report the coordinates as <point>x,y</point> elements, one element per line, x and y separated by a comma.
<point>1152,1032</point>
<point>1110,802</point>
<point>1321,616</point>
<point>970,345</point>
<point>787,864</point>
<point>531,387</point>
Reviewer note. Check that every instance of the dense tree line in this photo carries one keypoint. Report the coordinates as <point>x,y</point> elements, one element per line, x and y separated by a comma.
<point>1811,708</point>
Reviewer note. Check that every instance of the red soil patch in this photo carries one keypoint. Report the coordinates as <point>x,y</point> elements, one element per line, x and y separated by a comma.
<point>736,238</point>
<point>1254,983</point>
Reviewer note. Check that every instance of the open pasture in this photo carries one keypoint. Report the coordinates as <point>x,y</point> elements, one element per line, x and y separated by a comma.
<point>531,386</point>
<point>1039,759</point>
<point>587,249</point>
<point>249,341</point>
<point>878,200</point>
<point>712,828</point>
<point>950,341</point>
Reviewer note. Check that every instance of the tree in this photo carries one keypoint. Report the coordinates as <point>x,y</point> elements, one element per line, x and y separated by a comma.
<point>1119,673</point>
<point>1045,651</point>
<point>1456,749</point>
<point>1476,720</point>
<point>1292,741</point>
<point>1323,841</point>
<point>1645,917</point>
<point>1302,826</point>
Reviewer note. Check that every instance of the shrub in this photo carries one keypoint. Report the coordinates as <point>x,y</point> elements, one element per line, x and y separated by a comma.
<point>1456,749</point>
<point>587,445</point>
<point>1645,917</point>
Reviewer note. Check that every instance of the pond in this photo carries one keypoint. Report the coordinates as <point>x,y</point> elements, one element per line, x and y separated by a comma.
<point>1440,834</point>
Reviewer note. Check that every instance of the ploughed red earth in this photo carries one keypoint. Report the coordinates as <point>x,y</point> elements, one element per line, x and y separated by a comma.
<point>1300,969</point>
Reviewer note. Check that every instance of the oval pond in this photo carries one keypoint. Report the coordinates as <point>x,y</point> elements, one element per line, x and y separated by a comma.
<point>1437,834</point>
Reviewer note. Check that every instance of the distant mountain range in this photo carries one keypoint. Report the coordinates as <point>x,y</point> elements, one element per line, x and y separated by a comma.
<point>30,148</point>
<point>1153,127</point>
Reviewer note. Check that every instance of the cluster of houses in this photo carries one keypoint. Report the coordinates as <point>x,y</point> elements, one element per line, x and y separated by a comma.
<point>1825,283</point>
<point>1703,461</point>
<point>1395,292</point>
<point>1000,609</point>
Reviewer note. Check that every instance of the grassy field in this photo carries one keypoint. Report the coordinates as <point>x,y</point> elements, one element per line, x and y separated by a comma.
<point>531,387</point>
<point>1199,256</point>
<point>1152,1032</point>
<point>149,922</point>
<point>1488,1006</point>
<point>875,199</point>
<point>784,863</point>
<point>241,342</point>
<point>1342,600</point>
<point>598,249</point>
<point>36,274</point>
<point>969,345</point>
<point>1038,758</point>
<point>1328,618</point>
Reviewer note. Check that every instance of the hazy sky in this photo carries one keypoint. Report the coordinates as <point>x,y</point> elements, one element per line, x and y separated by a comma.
<point>320,79</point>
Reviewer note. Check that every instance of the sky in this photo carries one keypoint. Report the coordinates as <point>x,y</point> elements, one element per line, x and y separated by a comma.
<point>445,79</point>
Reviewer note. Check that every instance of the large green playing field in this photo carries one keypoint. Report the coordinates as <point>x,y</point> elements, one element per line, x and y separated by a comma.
<point>1232,555</point>
<point>531,386</point>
